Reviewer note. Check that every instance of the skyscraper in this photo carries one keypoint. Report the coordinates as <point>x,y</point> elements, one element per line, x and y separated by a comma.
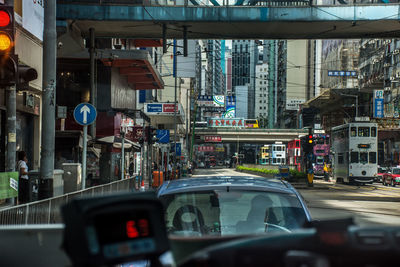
<point>244,59</point>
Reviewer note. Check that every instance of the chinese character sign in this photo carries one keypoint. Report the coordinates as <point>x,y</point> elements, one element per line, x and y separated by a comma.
<point>212,138</point>
<point>378,104</point>
<point>226,122</point>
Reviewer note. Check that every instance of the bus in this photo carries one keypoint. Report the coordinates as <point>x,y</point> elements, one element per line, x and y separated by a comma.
<point>251,123</point>
<point>294,154</point>
<point>264,155</point>
<point>321,153</point>
<point>278,154</point>
<point>355,146</point>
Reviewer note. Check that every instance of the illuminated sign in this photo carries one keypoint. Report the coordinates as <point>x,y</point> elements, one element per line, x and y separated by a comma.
<point>212,138</point>
<point>226,123</point>
<point>364,146</point>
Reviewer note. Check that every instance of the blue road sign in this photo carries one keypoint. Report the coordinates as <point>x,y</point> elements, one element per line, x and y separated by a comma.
<point>154,108</point>
<point>85,114</point>
<point>178,149</point>
<point>163,136</point>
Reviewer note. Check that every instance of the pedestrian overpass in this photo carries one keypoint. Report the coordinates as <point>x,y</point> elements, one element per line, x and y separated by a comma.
<point>255,136</point>
<point>150,19</point>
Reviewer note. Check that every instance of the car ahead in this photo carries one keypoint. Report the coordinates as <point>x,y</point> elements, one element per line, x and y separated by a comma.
<point>225,206</point>
<point>392,177</point>
<point>381,172</point>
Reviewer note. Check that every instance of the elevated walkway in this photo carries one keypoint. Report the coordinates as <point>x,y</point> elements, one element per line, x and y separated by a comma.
<point>124,20</point>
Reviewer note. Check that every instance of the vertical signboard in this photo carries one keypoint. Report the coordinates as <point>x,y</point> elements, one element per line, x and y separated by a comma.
<point>378,104</point>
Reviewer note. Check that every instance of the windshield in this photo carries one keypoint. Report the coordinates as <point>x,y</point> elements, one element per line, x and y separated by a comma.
<point>396,171</point>
<point>230,213</point>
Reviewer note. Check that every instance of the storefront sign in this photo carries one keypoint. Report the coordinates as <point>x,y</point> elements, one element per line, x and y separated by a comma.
<point>8,185</point>
<point>206,148</point>
<point>226,123</point>
<point>345,73</point>
<point>212,138</point>
<point>211,101</point>
<point>161,108</point>
<point>378,104</point>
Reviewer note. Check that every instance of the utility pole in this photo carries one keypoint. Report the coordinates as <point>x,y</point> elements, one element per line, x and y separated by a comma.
<point>175,104</point>
<point>49,92</point>
<point>93,89</point>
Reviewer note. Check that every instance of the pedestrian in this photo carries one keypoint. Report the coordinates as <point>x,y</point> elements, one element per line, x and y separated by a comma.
<point>23,178</point>
<point>169,170</point>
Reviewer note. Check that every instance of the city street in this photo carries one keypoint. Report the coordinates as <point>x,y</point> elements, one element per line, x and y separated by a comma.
<point>369,205</point>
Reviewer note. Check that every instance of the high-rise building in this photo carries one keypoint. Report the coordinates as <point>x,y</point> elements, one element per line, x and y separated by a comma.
<point>215,75</point>
<point>261,93</point>
<point>244,59</point>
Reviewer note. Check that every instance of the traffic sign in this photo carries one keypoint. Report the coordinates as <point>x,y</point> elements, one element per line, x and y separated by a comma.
<point>85,114</point>
<point>163,136</point>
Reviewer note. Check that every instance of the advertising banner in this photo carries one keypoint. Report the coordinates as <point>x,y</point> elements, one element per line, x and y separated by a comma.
<point>33,17</point>
<point>161,108</point>
<point>342,73</point>
<point>294,104</point>
<point>226,122</point>
<point>206,148</point>
<point>8,185</point>
<point>212,138</point>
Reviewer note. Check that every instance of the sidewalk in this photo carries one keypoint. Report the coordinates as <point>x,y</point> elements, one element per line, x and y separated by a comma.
<point>317,184</point>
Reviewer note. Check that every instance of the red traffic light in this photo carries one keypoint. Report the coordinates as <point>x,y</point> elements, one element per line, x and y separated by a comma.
<point>310,137</point>
<point>4,18</point>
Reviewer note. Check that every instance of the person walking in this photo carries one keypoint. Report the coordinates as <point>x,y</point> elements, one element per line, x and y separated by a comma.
<point>23,180</point>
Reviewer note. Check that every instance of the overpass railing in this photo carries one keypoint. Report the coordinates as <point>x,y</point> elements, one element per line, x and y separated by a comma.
<point>222,3</point>
<point>47,211</point>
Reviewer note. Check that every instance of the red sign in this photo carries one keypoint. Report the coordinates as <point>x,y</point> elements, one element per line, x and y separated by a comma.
<point>169,108</point>
<point>212,138</point>
<point>206,148</point>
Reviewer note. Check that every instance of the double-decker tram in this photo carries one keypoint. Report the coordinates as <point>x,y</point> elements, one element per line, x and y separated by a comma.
<point>321,152</point>
<point>355,152</point>
<point>264,155</point>
<point>294,153</point>
<point>278,154</point>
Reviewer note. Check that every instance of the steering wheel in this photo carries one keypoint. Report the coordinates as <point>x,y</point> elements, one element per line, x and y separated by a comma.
<point>189,218</point>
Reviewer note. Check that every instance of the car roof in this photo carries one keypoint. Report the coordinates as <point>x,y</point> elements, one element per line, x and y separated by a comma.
<point>213,183</point>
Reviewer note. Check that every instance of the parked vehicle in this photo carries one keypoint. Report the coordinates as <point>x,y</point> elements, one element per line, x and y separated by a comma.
<point>392,177</point>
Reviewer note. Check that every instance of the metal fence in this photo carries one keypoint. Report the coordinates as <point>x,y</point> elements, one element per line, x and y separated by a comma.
<point>47,211</point>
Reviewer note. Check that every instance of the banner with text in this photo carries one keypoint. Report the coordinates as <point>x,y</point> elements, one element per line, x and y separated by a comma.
<point>8,185</point>
<point>226,122</point>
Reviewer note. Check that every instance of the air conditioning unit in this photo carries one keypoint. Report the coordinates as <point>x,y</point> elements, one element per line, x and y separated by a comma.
<point>392,78</point>
<point>395,52</point>
<point>386,89</point>
<point>397,75</point>
<point>386,65</point>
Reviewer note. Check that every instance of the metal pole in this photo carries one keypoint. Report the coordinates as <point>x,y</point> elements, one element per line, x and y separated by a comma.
<point>84,152</point>
<point>49,90</point>
<point>93,89</point>
<point>122,155</point>
<point>356,106</point>
<point>175,103</point>
<point>11,127</point>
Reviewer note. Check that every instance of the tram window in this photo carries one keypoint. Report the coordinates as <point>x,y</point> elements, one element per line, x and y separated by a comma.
<point>340,158</point>
<point>363,131</point>
<point>297,144</point>
<point>274,160</point>
<point>373,131</point>
<point>372,157</point>
<point>363,157</point>
<point>353,131</point>
<point>354,157</point>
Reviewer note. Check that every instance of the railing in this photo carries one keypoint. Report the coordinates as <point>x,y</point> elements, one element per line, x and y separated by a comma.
<point>47,211</point>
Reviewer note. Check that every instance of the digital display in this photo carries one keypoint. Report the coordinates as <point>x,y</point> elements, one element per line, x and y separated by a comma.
<point>120,227</point>
<point>363,146</point>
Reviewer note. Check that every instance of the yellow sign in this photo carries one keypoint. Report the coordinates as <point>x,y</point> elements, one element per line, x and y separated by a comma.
<point>220,149</point>
<point>12,137</point>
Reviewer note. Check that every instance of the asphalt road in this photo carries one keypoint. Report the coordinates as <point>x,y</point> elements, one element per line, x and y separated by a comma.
<point>369,205</point>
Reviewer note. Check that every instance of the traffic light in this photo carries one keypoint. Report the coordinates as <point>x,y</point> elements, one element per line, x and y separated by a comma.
<point>310,140</point>
<point>8,59</point>
<point>151,135</point>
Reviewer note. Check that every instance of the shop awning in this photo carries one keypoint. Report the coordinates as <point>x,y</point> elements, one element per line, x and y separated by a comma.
<point>136,65</point>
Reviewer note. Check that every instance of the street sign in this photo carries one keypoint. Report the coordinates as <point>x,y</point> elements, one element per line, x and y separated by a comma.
<point>178,149</point>
<point>85,114</point>
<point>163,136</point>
